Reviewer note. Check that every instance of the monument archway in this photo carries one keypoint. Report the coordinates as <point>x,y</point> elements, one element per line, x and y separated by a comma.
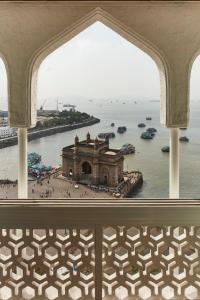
<point>86,168</point>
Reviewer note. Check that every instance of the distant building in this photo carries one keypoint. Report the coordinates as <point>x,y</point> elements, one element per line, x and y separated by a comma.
<point>3,121</point>
<point>92,161</point>
<point>7,132</point>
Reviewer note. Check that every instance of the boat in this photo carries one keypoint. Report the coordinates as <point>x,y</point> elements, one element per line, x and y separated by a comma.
<point>34,158</point>
<point>184,139</point>
<point>112,124</point>
<point>183,128</point>
<point>121,129</point>
<point>146,135</point>
<point>152,130</point>
<point>106,135</point>
<point>165,149</point>
<point>141,125</point>
<point>127,149</point>
<point>148,118</point>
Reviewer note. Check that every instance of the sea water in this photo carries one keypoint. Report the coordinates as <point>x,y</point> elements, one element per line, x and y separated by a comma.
<point>148,158</point>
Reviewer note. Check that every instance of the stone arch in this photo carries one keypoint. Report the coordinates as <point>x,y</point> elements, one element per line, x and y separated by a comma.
<point>86,167</point>
<point>189,72</point>
<point>102,16</point>
<point>7,73</point>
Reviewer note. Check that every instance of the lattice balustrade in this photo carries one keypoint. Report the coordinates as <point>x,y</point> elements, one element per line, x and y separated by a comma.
<point>139,262</point>
<point>151,262</point>
<point>47,264</point>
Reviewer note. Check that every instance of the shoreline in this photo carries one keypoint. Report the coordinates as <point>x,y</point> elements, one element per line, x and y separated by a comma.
<point>37,134</point>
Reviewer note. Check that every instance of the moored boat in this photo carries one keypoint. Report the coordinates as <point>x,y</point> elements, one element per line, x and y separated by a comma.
<point>127,149</point>
<point>141,125</point>
<point>105,135</point>
<point>184,139</point>
<point>148,118</point>
<point>165,149</point>
<point>34,158</point>
<point>151,129</point>
<point>121,129</point>
<point>146,135</point>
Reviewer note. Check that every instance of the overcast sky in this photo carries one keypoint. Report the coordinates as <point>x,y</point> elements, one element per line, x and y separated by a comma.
<point>98,64</point>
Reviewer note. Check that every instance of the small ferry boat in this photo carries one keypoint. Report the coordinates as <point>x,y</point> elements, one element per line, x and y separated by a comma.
<point>184,139</point>
<point>34,158</point>
<point>152,130</point>
<point>112,124</point>
<point>147,135</point>
<point>148,118</point>
<point>165,149</point>
<point>121,129</point>
<point>105,135</point>
<point>127,149</point>
<point>141,125</point>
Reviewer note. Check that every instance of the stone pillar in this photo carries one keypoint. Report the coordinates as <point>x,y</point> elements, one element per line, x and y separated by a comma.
<point>22,169</point>
<point>115,179</point>
<point>174,164</point>
<point>76,175</point>
<point>95,173</point>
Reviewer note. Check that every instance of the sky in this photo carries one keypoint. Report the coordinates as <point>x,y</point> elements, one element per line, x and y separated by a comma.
<point>98,64</point>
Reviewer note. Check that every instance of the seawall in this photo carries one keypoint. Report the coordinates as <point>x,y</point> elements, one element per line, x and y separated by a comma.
<point>36,134</point>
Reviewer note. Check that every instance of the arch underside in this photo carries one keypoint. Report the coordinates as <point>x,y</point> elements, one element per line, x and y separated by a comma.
<point>105,18</point>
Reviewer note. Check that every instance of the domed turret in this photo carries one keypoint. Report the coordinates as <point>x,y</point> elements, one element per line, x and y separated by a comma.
<point>96,142</point>
<point>76,140</point>
<point>107,139</point>
<point>88,137</point>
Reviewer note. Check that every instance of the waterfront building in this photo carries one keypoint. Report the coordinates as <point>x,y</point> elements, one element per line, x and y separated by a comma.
<point>3,121</point>
<point>92,161</point>
<point>7,132</point>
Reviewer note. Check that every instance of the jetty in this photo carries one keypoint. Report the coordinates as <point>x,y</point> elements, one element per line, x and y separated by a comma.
<point>131,182</point>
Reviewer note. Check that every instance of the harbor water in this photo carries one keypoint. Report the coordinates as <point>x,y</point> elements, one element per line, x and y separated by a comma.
<point>148,158</point>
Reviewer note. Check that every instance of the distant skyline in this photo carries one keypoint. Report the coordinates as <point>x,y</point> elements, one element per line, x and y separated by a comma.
<point>98,64</point>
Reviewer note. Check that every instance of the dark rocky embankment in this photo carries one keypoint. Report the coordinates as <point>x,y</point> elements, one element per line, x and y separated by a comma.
<point>36,134</point>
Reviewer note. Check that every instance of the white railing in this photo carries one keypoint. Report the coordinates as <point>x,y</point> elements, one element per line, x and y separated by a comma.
<point>78,249</point>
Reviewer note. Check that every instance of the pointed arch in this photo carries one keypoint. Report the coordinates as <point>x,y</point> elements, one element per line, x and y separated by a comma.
<point>189,73</point>
<point>7,78</point>
<point>133,37</point>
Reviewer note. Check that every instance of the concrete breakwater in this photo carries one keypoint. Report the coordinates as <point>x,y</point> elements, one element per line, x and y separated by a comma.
<point>36,134</point>
<point>132,181</point>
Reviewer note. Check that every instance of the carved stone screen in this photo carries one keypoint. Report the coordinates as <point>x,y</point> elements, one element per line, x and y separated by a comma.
<point>151,262</point>
<point>47,264</point>
<point>139,263</point>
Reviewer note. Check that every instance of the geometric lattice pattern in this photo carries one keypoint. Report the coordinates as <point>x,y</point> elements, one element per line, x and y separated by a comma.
<point>147,262</point>
<point>47,264</point>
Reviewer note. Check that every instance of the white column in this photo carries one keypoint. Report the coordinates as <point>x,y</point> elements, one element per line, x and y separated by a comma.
<point>174,164</point>
<point>22,165</point>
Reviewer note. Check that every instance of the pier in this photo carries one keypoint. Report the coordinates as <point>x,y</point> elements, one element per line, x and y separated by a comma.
<point>131,182</point>
<point>36,134</point>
